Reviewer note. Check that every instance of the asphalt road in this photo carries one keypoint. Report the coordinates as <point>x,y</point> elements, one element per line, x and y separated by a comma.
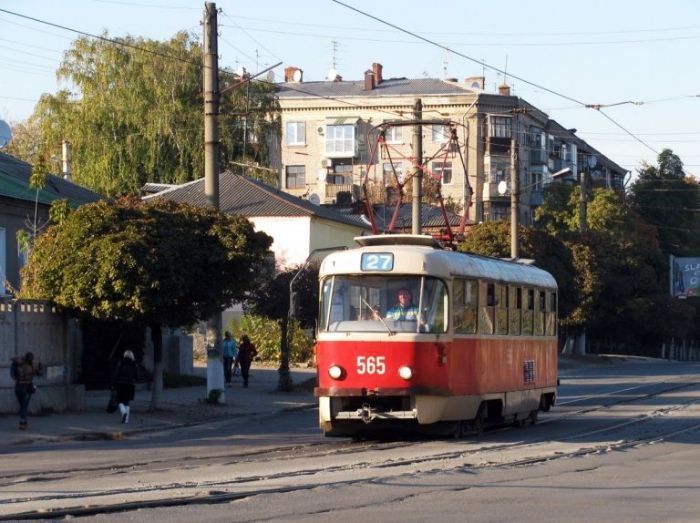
<point>621,445</point>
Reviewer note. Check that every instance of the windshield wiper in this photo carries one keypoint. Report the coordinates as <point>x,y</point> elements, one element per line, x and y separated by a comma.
<point>376,314</point>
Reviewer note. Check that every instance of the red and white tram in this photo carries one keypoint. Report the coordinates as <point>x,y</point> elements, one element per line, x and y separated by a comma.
<point>479,343</point>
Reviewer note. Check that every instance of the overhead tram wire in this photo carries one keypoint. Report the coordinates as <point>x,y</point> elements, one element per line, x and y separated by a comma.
<point>105,39</point>
<point>171,57</point>
<point>491,67</point>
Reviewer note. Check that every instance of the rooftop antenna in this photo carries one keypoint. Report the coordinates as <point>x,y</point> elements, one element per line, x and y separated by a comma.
<point>333,72</point>
<point>505,72</point>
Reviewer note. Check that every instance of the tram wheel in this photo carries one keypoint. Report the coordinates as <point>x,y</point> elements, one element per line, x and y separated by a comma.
<point>533,416</point>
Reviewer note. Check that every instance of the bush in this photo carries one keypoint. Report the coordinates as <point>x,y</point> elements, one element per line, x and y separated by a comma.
<point>265,335</point>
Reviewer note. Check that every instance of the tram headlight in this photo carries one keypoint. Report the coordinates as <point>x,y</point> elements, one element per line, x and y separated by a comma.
<point>406,372</point>
<point>335,372</point>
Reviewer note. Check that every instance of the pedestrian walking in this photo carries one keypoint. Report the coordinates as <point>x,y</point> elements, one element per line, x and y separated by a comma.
<point>23,371</point>
<point>246,353</point>
<point>230,353</point>
<point>124,383</point>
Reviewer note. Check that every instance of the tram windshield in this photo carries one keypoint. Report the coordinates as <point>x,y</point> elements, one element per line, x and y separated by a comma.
<point>362,303</point>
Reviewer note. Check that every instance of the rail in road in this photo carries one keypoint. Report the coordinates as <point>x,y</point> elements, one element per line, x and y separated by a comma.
<point>619,417</point>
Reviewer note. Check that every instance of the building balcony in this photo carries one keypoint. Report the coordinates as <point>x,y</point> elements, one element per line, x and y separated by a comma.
<point>332,190</point>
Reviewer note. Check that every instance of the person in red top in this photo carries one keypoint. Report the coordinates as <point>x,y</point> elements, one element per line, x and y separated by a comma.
<point>246,353</point>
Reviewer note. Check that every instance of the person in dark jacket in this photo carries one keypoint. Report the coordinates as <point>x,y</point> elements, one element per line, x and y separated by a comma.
<point>23,371</point>
<point>125,383</point>
<point>246,353</point>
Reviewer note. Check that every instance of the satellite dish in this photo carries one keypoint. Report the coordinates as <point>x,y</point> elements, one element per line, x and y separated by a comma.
<point>270,76</point>
<point>297,75</point>
<point>313,198</point>
<point>502,187</point>
<point>5,134</point>
<point>332,74</point>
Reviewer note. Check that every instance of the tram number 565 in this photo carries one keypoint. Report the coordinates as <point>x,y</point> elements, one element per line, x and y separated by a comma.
<point>371,364</point>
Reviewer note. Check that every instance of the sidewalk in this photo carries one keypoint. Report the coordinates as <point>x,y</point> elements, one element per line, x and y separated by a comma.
<point>181,407</point>
<point>178,407</point>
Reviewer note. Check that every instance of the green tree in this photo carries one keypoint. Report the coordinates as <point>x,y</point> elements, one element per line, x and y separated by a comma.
<point>272,300</point>
<point>137,116</point>
<point>160,264</point>
<point>669,200</point>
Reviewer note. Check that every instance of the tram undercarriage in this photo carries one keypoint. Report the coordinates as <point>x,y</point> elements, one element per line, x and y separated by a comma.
<point>350,416</point>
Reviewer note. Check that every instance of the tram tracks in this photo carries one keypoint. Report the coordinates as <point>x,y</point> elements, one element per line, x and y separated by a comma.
<point>307,466</point>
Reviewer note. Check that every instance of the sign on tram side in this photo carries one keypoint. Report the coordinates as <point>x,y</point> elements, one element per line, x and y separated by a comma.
<point>684,277</point>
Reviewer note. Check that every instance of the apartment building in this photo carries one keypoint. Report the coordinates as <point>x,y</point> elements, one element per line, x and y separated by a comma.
<point>330,129</point>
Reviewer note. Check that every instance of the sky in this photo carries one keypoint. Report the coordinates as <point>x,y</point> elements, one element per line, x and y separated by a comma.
<point>638,57</point>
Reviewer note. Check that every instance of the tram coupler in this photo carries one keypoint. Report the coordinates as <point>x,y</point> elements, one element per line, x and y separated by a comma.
<point>366,413</point>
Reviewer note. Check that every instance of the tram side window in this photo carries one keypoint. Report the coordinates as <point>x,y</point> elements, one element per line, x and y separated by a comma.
<point>434,306</point>
<point>551,314</point>
<point>501,309</point>
<point>465,304</point>
<point>528,310</point>
<point>539,312</point>
<point>514,310</point>
<point>487,298</point>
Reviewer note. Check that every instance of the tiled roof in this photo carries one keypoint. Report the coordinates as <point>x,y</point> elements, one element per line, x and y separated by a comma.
<point>55,188</point>
<point>239,194</point>
<point>431,216</point>
<point>388,87</point>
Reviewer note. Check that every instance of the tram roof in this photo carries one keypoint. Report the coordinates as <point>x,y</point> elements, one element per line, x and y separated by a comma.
<point>417,255</point>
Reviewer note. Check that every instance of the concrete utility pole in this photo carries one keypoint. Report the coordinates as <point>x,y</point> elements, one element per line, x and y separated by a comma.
<point>416,219</point>
<point>580,342</point>
<point>514,201</point>
<point>215,366</point>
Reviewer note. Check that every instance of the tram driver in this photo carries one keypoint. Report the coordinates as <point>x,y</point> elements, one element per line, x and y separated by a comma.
<point>405,309</point>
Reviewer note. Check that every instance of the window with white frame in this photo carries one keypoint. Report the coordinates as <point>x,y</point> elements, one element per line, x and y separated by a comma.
<point>501,127</point>
<point>440,133</point>
<point>388,173</point>
<point>340,140</point>
<point>443,170</point>
<point>393,134</point>
<point>295,177</point>
<point>295,133</point>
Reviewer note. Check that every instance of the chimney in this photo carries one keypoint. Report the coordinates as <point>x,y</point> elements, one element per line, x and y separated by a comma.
<point>293,74</point>
<point>66,159</point>
<point>504,90</point>
<point>377,70</point>
<point>475,82</point>
<point>369,80</point>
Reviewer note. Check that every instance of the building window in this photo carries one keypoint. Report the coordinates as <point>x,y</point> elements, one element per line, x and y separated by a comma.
<point>441,133</point>
<point>500,172</point>
<point>443,170</point>
<point>393,135</point>
<point>295,177</point>
<point>342,174</point>
<point>501,127</point>
<point>388,173</point>
<point>296,133</point>
<point>340,140</point>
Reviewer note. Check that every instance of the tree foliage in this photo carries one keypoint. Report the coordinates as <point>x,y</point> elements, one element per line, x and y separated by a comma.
<point>668,200</point>
<point>137,116</point>
<point>164,263</point>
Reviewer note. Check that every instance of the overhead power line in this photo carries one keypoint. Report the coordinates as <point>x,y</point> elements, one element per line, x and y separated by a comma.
<point>493,68</point>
